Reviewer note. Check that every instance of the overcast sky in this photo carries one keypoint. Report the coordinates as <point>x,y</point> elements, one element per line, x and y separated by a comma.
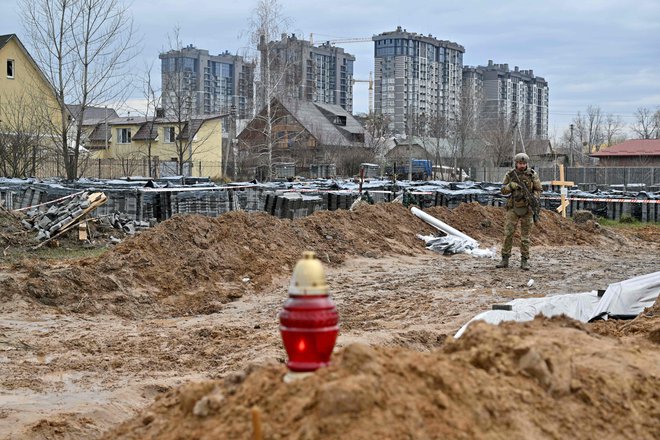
<point>604,53</point>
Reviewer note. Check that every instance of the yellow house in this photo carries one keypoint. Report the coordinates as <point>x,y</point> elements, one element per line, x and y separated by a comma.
<point>131,138</point>
<point>28,103</point>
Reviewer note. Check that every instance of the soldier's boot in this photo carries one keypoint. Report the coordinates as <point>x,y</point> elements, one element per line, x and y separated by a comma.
<point>504,262</point>
<point>524,263</point>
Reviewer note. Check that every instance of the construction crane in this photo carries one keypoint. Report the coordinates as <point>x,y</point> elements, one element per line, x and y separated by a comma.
<point>370,81</point>
<point>350,40</point>
<point>342,40</point>
<point>354,40</point>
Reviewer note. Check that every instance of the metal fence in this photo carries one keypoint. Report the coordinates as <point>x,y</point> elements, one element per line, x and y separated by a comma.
<point>596,176</point>
<point>118,168</point>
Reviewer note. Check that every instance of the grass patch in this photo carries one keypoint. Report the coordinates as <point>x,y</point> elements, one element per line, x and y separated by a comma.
<point>55,253</point>
<point>626,222</point>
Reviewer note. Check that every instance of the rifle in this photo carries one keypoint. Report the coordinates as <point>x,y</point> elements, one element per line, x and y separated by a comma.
<point>533,202</point>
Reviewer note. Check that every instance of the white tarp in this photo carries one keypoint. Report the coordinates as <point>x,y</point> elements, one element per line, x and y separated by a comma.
<point>628,297</point>
<point>455,242</point>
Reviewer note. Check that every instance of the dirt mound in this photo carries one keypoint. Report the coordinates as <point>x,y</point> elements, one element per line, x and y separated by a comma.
<point>486,223</point>
<point>194,264</point>
<point>543,379</point>
<point>645,325</point>
<point>12,232</point>
<point>648,233</point>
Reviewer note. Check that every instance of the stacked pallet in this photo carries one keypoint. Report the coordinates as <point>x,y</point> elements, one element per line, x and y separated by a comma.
<point>292,205</point>
<point>209,203</point>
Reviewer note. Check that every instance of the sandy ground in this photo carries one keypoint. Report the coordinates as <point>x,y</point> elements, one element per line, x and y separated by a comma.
<point>72,376</point>
<point>71,371</point>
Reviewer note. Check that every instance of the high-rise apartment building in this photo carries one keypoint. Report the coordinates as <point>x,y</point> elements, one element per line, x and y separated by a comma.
<point>196,82</point>
<point>301,70</point>
<point>416,75</point>
<point>511,94</point>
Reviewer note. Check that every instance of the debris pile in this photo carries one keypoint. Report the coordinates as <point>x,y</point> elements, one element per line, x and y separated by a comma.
<point>124,222</point>
<point>453,242</point>
<point>62,216</point>
<point>548,378</point>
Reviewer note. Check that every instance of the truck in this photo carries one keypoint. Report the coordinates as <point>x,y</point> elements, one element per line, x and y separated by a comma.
<point>422,169</point>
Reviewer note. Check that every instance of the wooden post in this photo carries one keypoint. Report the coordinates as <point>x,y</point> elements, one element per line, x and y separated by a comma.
<point>564,190</point>
<point>82,231</point>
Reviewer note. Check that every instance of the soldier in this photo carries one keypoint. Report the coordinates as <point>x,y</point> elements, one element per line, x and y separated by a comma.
<point>518,208</point>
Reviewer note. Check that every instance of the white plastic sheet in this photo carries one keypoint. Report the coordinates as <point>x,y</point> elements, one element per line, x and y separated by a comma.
<point>450,244</point>
<point>629,297</point>
<point>578,306</point>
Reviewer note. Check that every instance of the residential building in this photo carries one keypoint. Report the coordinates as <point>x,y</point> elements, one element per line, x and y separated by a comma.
<point>305,133</point>
<point>513,95</point>
<point>631,153</point>
<point>301,70</point>
<point>196,83</point>
<point>30,114</point>
<point>96,127</point>
<point>416,76</point>
<point>197,142</point>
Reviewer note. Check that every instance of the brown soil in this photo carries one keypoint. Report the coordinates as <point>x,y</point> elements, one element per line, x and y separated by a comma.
<point>87,344</point>
<point>545,379</point>
<point>12,232</point>
<point>486,223</point>
<point>194,264</point>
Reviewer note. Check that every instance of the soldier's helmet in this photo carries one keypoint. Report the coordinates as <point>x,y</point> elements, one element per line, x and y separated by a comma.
<point>521,157</point>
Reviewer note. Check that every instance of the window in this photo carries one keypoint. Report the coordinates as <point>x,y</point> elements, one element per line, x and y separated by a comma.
<point>10,68</point>
<point>340,120</point>
<point>123,135</point>
<point>169,135</point>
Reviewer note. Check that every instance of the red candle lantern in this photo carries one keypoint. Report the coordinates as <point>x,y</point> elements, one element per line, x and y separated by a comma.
<point>309,320</point>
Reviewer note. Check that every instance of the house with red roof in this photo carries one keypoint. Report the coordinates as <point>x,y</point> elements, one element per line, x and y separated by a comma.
<point>631,153</point>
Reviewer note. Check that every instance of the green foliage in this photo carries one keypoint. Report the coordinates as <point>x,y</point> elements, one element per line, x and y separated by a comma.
<point>14,255</point>
<point>625,222</point>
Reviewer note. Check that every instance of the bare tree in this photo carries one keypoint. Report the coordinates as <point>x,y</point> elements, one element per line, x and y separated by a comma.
<point>84,48</point>
<point>612,129</point>
<point>498,136</point>
<point>22,134</point>
<point>465,128</point>
<point>587,134</point>
<point>267,22</point>
<point>438,127</point>
<point>153,107</point>
<point>377,133</point>
<point>594,128</point>
<point>647,123</point>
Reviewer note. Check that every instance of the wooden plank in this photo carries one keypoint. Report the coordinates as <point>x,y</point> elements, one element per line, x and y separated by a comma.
<point>96,199</point>
<point>82,231</point>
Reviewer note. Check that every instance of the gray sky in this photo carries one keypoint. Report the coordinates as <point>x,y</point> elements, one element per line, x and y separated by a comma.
<point>592,52</point>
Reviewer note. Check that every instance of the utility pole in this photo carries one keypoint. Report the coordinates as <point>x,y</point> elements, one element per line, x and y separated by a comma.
<point>570,142</point>
<point>232,138</point>
<point>513,135</point>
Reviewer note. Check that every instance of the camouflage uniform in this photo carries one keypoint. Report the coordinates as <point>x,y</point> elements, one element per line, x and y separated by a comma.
<point>518,209</point>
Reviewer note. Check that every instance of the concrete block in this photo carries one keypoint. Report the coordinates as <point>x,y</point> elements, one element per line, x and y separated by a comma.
<point>44,222</point>
<point>55,227</point>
